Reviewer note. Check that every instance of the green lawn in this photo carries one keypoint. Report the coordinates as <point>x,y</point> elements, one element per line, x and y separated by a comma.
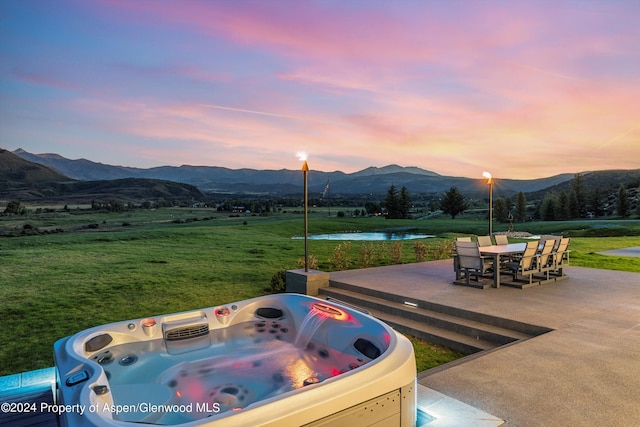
<point>155,262</point>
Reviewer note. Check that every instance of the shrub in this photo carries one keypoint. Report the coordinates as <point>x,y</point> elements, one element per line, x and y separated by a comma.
<point>442,250</point>
<point>313,262</point>
<point>367,255</point>
<point>341,259</point>
<point>395,253</point>
<point>421,251</point>
<point>278,282</point>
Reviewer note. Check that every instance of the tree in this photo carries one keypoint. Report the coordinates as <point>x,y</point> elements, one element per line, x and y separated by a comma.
<point>501,209</point>
<point>372,208</point>
<point>597,207</point>
<point>623,202</point>
<point>574,205</point>
<point>548,207</point>
<point>453,202</point>
<point>391,202</point>
<point>563,207</point>
<point>404,204</point>
<point>397,205</point>
<point>577,188</point>
<point>521,207</point>
<point>15,207</point>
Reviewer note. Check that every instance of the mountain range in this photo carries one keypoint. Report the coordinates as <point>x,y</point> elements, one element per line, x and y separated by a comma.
<point>215,179</point>
<point>23,180</point>
<point>198,181</point>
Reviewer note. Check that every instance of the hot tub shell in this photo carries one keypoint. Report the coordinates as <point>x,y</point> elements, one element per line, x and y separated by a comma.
<point>378,390</point>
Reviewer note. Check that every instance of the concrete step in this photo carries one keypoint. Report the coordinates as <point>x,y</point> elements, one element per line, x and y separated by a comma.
<point>459,334</point>
<point>521,330</point>
<point>460,330</point>
<point>453,340</point>
<point>469,327</point>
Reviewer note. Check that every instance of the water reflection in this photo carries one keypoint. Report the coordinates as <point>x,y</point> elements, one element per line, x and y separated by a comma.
<point>370,236</point>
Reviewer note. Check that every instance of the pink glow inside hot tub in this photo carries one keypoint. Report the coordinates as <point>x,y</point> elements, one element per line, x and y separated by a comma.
<point>284,359</point>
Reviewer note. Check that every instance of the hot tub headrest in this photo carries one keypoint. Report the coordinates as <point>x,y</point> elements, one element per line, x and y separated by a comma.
<point>367,348</point>
<point>97,342</point>
<point>269,312</point>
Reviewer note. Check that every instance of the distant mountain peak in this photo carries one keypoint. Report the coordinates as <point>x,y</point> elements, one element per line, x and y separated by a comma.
<point>20,152</point>
<point>385,170</point>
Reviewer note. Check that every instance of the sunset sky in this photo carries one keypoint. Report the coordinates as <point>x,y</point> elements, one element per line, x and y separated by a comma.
<point>523,89</point>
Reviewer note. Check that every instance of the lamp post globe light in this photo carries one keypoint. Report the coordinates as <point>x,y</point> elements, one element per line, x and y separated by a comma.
<point>490,182</point>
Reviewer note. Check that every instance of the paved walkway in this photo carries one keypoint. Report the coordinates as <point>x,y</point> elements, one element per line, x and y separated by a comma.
<point>586,372</point>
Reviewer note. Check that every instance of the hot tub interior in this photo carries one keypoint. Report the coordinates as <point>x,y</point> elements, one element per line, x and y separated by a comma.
<point>213,364</point>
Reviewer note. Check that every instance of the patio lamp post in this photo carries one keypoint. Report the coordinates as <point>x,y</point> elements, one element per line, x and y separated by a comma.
<point>306,281</point>
<point>490,182</point>
<point>305,172</point>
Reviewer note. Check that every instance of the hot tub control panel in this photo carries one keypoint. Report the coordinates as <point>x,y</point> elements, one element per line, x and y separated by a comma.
<point>76,378</point>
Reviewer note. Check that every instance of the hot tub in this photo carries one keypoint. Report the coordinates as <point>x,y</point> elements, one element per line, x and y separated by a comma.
<point>277,360</point>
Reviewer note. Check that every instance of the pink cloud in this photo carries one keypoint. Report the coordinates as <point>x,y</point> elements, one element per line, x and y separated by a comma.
<point>430,84</point>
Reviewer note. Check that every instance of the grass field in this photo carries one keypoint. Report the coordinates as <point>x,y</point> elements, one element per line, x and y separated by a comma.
<point>100,267</point>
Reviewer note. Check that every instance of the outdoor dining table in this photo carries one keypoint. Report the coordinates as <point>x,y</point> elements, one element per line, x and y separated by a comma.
<point>497,251</point>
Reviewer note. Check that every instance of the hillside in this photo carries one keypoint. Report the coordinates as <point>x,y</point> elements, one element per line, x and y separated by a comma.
<point>26,181</point>
<point>51,176</point>
<point>14,169</point>
<point>607,181</point>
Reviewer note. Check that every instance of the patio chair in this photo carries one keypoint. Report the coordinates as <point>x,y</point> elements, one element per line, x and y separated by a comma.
<point>484,241</point>
<point>470,260</point>
<point>560,258</point>
<point>525,266</point>
<point>556,240</point>
<point>545,260</point>
<point>501,239</point>
<point>456,264</point>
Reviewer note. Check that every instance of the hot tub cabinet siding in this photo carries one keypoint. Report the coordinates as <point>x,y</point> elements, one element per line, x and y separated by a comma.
<point>352,370</point>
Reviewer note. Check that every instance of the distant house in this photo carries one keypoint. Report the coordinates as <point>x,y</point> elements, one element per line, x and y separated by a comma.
<point>240,209</point>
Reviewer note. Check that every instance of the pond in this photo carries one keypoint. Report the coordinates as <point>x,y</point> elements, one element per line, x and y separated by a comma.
<point>368,236</point>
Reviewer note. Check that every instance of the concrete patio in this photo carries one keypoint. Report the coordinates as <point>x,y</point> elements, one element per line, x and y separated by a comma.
<point>586,372</point>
